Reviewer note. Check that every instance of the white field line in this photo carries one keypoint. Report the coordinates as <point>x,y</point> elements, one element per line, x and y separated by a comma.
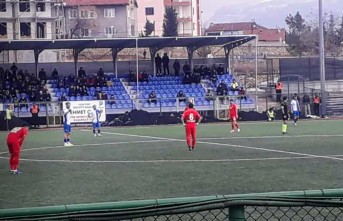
<point>87,145</point>
<point>233,145</point>
<point>165,161</point>
<point>269,137</point>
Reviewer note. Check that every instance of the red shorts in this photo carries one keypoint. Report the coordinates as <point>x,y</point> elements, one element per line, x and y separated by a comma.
<point>13,146</point>
<point>233,119</point>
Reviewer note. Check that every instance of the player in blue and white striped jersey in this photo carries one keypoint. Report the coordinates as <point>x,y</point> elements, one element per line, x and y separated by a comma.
<point>95,115</point>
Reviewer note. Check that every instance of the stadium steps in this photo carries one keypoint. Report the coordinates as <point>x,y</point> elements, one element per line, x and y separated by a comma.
<point>334,105</point>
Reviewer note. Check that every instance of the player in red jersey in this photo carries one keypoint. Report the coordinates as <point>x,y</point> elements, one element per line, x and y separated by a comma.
<point>190,119</point>
<point>233,116</point>
<point>15,140</point>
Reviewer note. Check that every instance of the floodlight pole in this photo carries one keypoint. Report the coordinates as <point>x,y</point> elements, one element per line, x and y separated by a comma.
<point>322,58</point>
<point>256,71</point>
<point>137,70</point>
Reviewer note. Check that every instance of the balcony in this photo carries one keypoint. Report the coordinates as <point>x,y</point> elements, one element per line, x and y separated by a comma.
<point>184,19</point>
<point>176,3</point>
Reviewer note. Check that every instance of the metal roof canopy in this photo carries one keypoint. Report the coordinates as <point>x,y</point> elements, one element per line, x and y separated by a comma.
<point>149,42</point>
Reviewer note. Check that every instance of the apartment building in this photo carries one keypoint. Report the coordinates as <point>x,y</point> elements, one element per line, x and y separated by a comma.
<point>101,18</point>
<point>188,13</point>
<point>26,19</point>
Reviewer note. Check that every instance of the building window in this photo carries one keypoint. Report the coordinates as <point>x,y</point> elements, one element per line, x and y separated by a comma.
<point>87,14</point>
<point>109,12</point>
<point>24,6</point>
<point>149,11</point>
<point>25,29</point>
<point>85,32</point>
<point>133,32</point>
<point>41,6</point>
<point>3,29</point>
<point>110,31</point>
<point>2,5</point>
<point>73,13</point>
<point>41,30</point>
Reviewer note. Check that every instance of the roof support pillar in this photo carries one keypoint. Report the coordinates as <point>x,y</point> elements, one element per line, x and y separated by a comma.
<point>36,53</point>
<point>227,51</point>
<point>76,52</point>
<point>115,52</point>
<point>190,52</point>
<point>153,51</point>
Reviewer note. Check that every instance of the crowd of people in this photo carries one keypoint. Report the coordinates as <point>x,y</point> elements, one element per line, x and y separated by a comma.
<point>18,86</point>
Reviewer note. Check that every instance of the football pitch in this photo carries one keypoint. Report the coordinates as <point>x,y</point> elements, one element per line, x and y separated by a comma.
<point>131,163</point>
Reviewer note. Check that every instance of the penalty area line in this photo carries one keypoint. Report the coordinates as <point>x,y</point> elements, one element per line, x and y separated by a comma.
<point>236,146</point>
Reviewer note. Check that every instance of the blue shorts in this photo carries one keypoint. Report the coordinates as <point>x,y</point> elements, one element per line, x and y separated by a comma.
<point>67,128</point>
<point>96,125</point>
<point>296,113</point>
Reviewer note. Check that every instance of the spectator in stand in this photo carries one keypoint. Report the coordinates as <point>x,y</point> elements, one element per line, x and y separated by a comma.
<point>132,77</point>
<point>306,103</point>
<point>35,111</point>
<point>242,94</point>
<point>77,91</point>
<point>152,97</point>
<point>40,97</point>
<point>158,64</point>
<point>101,72</point>
<point>15,102</point>
<point>26,74</point>
<point>46,96</point>
<point>222,89</point>
<point>42,76</point>
<point>196,77</point>
<point>20,74</point>
<point>145,77</point>
<point>186,68</point>
<point>81,72</point>
<point>209,95</point>
<point>62,97</point>
<point>165,61</point>
<point>234,86</point>
<point>221,70</point>
<point>84,91</point>
<point>181,96</point>
<point>196,69</point>
<point>104,96</point>
<point>214,77</point>
<point>316,105</point>
<point>54,74</point>
<point>23,101</point>
<point>71,91</point>
<point>214,68</point>
<point>13,92</point>
<point>187,79</point>
<point>99,95</point>
<point>112,100</point>
<point>33,96</point>
<point>14,69</point>
<point>176,67</point>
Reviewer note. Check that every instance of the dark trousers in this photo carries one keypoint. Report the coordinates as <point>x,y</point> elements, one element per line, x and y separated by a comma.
<point>316,109</point>
<point>166,69</point>
<point>158,69</point>
<point>35,119</point>
<point>278,95</point>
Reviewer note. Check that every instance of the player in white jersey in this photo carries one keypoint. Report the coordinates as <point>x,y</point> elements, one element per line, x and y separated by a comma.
<point>295,109</point>
<point>95,115</point>
<point>67,125</point>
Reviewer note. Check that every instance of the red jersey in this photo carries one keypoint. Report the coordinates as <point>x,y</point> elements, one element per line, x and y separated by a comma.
<point>191,116</point>
<point>233,111</point>
<point>17,134</point>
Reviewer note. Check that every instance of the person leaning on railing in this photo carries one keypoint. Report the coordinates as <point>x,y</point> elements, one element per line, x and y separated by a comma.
<point>306,103</point>
<point>8,115</point>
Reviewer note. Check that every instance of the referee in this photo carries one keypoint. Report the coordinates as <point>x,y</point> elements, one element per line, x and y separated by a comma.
<point>285,116</point>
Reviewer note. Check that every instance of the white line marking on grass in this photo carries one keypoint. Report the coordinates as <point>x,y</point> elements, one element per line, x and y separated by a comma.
<point>269,137</point>
<point>166,161</point>
<point>87,145</point>
<point>233,145</point>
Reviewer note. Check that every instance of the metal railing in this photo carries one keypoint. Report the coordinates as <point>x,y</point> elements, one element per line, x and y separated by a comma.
<point>297,205</point>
